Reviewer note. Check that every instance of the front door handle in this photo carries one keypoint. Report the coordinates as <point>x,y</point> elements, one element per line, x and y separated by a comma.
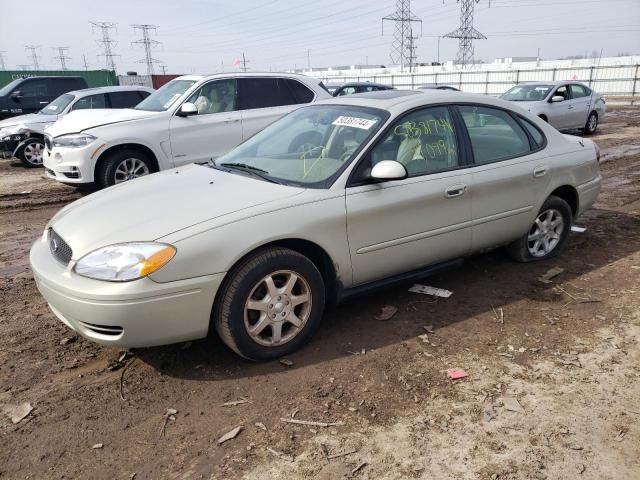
<point>569,107</point>
<point>539,172</point>
<point>231,120</point>
<point>456,190</point>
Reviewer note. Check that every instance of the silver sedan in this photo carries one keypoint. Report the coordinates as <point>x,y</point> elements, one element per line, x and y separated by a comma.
<point>386,186</point>
<point>566,105</point>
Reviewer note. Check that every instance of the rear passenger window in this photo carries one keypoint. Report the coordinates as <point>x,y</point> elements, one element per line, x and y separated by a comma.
<point>424,141</point>
<point>124,99</point>
<point>536,134</point>
<point>494,134</point>
<point>264,92</point>
<point>34,88</point>
<point>578,91</point>
<point>301,94</point>
<point>92,101</point>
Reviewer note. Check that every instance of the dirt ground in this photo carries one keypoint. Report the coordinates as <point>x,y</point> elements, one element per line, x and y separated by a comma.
<point>553,390</point>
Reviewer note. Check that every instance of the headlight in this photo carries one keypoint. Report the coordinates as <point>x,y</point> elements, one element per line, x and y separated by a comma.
<point>126,261</point>
<point>73,140</point>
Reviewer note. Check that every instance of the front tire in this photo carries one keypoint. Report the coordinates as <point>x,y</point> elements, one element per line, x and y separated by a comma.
<point>30,153</point>
<point>270,304</point>
<point>592,124</point>
<point>121,166</point>
<point>548,234</point>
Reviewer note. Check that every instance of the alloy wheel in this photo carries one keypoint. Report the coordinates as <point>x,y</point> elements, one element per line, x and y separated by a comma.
<point>130,168</point>
<point>546,232</point>
<point>33,153</point>
<point>278,308</point>
<point>593,122</point>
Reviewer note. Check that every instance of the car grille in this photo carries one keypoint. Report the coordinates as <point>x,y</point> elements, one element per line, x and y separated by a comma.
<point>48,142</point>
<point>59,248</point>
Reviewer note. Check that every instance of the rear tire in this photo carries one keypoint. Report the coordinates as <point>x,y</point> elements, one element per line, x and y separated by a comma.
<point>592,124</point>
<point>548,234</point>
<point>30,153</point>
<point>123,165</point>
<point>262,319</point>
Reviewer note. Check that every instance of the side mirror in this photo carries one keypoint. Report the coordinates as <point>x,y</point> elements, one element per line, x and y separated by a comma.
<point>187,109</point>
<point>388,170</point>
<point>557,98</point>
<point>16,95</point>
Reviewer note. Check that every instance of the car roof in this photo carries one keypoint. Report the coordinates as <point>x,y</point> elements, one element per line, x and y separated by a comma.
<point>365,84</point>
<point>122,88</point>
<point>396,101</point>
<point>553,83</point>
<point>246,75</point>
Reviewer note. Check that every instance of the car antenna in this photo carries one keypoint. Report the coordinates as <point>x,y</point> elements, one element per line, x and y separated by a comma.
<point>591,94</point>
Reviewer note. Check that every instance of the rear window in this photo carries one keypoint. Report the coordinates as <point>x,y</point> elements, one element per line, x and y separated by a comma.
<point>124,99</point>
<point>536,134</point>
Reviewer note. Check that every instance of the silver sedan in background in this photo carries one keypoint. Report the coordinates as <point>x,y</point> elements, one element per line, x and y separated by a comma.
<point>390,186</point>
<point>566,105</point>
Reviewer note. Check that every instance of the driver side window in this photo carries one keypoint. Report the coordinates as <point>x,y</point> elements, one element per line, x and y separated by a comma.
<point>562,92</point>
<point>215,97</point>
<point>423,141</point>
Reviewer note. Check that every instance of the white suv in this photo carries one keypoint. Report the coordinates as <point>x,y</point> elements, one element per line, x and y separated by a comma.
<point>190,119</point>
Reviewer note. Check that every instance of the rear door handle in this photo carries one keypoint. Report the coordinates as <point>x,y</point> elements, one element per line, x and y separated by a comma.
<point>44,103</point>
<point>231,120</point>
<point>456,190</point>
<point>539,172</point>
<point>569,107</point>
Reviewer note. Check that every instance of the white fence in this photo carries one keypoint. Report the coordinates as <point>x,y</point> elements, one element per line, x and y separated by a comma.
<point>135,80</point>
<point>615,80</point>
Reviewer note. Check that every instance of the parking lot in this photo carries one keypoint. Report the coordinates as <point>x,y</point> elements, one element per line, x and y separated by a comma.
<point>552,388</point>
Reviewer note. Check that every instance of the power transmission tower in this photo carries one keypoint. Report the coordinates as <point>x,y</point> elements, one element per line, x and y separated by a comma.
<point>62,56</point>
<point>244,63</point>
<point>3,65</point>
<point>107,43</point>
<point>164,69</point>
<point>84,61</point>
<point>147,42</point>
<point>466,34</point>
<point>403,20</point>
<point>33,49</point>
<point>411,49</point>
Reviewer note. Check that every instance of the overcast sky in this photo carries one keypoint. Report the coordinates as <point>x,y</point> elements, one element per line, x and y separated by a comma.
<point>207,35</point>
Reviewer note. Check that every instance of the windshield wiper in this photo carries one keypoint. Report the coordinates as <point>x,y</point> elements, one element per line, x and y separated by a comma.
<point>258,172</point>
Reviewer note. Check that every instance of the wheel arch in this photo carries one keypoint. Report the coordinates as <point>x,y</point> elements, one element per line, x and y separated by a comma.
<point>314,252</point>
<point>570,195</point>
<point>124,146</point>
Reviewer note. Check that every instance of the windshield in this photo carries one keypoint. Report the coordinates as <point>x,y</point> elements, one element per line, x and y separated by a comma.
<point>4,91</point>
<point>165,96</point>
<point>58,105</point>
<point>527,93</point>
<point>308,146</point>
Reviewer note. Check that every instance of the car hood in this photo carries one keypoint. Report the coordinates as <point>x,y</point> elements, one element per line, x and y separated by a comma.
<point>27,120</point>
<point>81,120</point>
<point>154,206</point>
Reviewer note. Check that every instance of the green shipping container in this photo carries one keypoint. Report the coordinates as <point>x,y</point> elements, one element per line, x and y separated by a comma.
<point>94,78</point>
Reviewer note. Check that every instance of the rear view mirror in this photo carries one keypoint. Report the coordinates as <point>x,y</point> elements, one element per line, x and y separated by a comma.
<point>188,109</point>
<point>16,95</point>
<point>557,98</point>
<point>388,170</point>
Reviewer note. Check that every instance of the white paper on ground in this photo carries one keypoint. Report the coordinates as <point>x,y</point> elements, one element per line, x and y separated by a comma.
<point>436,292</point>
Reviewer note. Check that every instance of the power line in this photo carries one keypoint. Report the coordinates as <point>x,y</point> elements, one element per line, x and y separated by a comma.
<point>33,50</point>
<point>62,56</point>
<point>466,34</point>
<point>3,65</point>
<point>147,42</point>
<point>107,43</point>
<point>403,46</point>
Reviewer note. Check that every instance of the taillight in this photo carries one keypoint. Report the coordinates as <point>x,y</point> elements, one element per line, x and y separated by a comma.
<point>597,151</point>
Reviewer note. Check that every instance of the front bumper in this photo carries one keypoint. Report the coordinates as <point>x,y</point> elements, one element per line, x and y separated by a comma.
<point>72,165</point>
<point>141,313</point>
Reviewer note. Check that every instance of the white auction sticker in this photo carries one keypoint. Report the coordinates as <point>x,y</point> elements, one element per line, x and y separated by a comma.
<point>356,122</point>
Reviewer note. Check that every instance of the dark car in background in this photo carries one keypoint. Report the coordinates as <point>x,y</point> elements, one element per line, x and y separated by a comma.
<point>32,94</point>
<point>359,87</point>
<point>435,86</point>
